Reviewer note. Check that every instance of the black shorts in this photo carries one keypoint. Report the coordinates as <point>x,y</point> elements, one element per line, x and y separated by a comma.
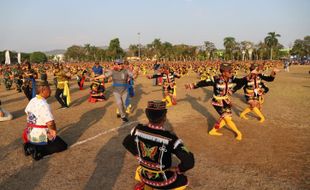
<point>225,109</point>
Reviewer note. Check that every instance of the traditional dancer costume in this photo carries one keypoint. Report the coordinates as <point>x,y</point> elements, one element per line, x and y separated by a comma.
<point>96,92</point>
<point>29,81</point>
<point>81,77</point>
<point>154,146</point>
<point>62,93</point>
<point>7,78</point>
<point>169,85</point>
<point>18,78</point>
<point>223,87</point>
<point>254,89</point>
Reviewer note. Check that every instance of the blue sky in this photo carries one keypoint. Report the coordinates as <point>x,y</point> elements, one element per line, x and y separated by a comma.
<point>31,25</point>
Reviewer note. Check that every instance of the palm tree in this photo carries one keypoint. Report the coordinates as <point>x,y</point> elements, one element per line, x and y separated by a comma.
<point>229,43</point>
<point>271,41</point>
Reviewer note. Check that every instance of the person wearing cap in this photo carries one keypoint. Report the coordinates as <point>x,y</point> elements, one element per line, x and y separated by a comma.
<point>120,77</point>
<point>153,146</point>
<point>40,136</point>
<point>254,89</point>
<point>223,87</point>
<point>169,84</point>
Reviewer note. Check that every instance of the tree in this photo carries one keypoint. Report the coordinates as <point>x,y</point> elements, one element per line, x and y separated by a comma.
<point>2,57</point>
<point>166,50</point>
<point>261,51</point>
<point>301,47</point>
<point>75,53</point>
<point>115,51</point>
<point>271,41</point>
<point>133,50</point>
<point>38,57</point>
<point>229,44</point>
<point>210,49</point>
<point>25,56</point>
<point>156,45</point>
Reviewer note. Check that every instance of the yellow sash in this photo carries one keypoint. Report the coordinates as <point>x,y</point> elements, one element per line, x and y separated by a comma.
<point>220,97</point>
<point>66,91</point>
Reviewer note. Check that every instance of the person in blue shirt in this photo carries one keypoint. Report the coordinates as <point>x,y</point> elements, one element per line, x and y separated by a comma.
<point>97,69</point>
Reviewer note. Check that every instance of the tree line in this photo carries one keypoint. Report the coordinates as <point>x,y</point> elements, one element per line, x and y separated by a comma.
<point>268,48</point>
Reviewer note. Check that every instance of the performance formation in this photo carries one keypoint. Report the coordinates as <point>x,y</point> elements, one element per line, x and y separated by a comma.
<point>152,143</point>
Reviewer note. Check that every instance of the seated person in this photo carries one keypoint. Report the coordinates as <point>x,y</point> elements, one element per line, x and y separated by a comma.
<point>40,135</point>
<point>96,92</point>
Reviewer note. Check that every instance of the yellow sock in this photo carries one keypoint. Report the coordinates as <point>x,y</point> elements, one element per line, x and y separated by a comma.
<point>180,188</point>
<point>128,111</point>
<point>215,132</point>
<point>169,102</point>
<point>242,115</point>
<point>117,112</point>
<point>232,125</point>
<point>259,113</point>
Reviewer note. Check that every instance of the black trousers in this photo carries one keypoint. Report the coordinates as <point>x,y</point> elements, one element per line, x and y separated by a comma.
<point>59,95</point>
<point>57,145</point>
<point>28,92</point>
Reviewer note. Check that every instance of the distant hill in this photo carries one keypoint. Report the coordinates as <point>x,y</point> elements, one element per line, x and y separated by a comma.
<point>55,52</point>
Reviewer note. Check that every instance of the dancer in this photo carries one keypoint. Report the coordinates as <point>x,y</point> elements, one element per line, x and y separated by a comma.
<point>254,89</point>
<point>169,84</point>
<point>96,92</point>
<point>120,77</point>
<point>29,82</point>
<point>62,93</point>
<point>222,89</point>
<point>154,146</point>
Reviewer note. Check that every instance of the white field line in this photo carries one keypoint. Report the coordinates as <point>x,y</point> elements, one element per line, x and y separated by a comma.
<point>102,133</point>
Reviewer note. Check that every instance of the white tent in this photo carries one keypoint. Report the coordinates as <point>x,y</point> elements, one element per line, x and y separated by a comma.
<point>19,58</point>
<point>7,58</point>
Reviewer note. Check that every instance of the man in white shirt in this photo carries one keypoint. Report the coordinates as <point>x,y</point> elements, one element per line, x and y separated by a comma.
<point>40,137</point>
